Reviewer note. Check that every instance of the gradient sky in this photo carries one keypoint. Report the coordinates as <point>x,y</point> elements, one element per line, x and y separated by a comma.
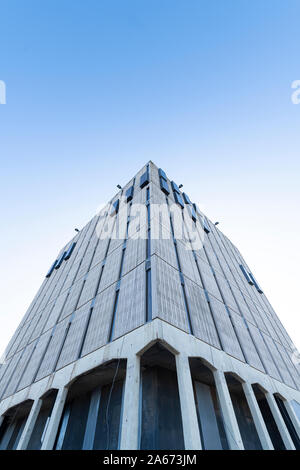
<point>96,88</point>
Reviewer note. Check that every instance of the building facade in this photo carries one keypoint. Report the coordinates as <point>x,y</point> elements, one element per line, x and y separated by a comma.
<point>150,331</point>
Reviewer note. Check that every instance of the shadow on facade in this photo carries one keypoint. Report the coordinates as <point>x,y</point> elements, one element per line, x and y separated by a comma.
<point>210,420</point>
<point>92,413</point>
<point>13,424</point>
<point>160,413</point>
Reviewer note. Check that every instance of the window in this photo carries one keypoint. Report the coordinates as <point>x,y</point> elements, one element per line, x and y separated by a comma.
<point>162,174</point>
<point>255,283</point>
<point>70,251</point>
<point>205,225</point>
<point>175,187</point>
<point>129,194</point>
<point>164,186</point>
<point>178,199</point>
<point>249,280</point>
<point>196,208</point>
<point>115,207</point>
<point>192,212</point>
<point>186,199</point>
<point>144,180</point>
<point>51,269</point>
<point>60,260</point>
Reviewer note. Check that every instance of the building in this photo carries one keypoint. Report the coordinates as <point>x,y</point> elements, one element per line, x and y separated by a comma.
<point>150,331</point>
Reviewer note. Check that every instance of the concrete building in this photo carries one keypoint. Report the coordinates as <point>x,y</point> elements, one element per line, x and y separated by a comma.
<point>150,331</point>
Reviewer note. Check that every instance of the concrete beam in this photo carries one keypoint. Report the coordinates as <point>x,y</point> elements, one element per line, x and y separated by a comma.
<point>29,426</point>
<point>130,412</point>
<point>279,422</point>
<point>56,414</point>
<point>257,417</point>
<point>229,419</point>
<point>192,440</point>
<point>294,418</point>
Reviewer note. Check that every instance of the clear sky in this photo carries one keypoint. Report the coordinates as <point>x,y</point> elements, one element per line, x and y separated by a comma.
<point>96,88</point>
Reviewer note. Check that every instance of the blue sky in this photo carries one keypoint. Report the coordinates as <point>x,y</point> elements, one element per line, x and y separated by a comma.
<point>97,88</point>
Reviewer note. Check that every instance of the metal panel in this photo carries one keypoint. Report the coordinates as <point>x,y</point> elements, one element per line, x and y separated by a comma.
<point>278,361</point>
<point>293,369</point>
<point>15,338</point>
<point>118,234</point>
<point>111,269</point>
<point>271,330</point>
<point>100,251</point>
<point>163,246</point>
<point>243,307</point>
<point>13,363</point>
<point>29,332</point>
<point>85,263</point>
<point>264,353</point>
<point>246,342</point>
<point>60,282</point>
<point>170,298</point>
<point>16,347</point>
<point>35,361</point>
<point>73,297</point>
<point>131,309</point>
<point>18,371</point>
<point>281,333</point>
<point>72,344</point>
<point>226,293</point>
<point>44,315</point>
<point>201,318</point>
<point>225,329</point>
<point>209,281</point>
<point>187,262</point>
<point>99,326</point>
<point>71,276</point>
<point>56,311</point>
<point>222,254</point>
<point>49,361</point>
<point>256,315</point>
<point>90,286</point>
<point>211,256</point>
<point>135,254</point>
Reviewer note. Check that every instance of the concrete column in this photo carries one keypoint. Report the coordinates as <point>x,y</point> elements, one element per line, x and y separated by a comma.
<point>293,416</point>
<point>1,419</point>
<point>29,426</point>
<point>257,417</point>
<point>192,440</point>
<point>230,423</point>
<point>131,399</point>
<point>56,414</point>
<point>280,422</point>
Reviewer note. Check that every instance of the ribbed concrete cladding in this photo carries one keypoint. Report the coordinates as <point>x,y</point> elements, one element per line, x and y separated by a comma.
<point>102,293</point>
